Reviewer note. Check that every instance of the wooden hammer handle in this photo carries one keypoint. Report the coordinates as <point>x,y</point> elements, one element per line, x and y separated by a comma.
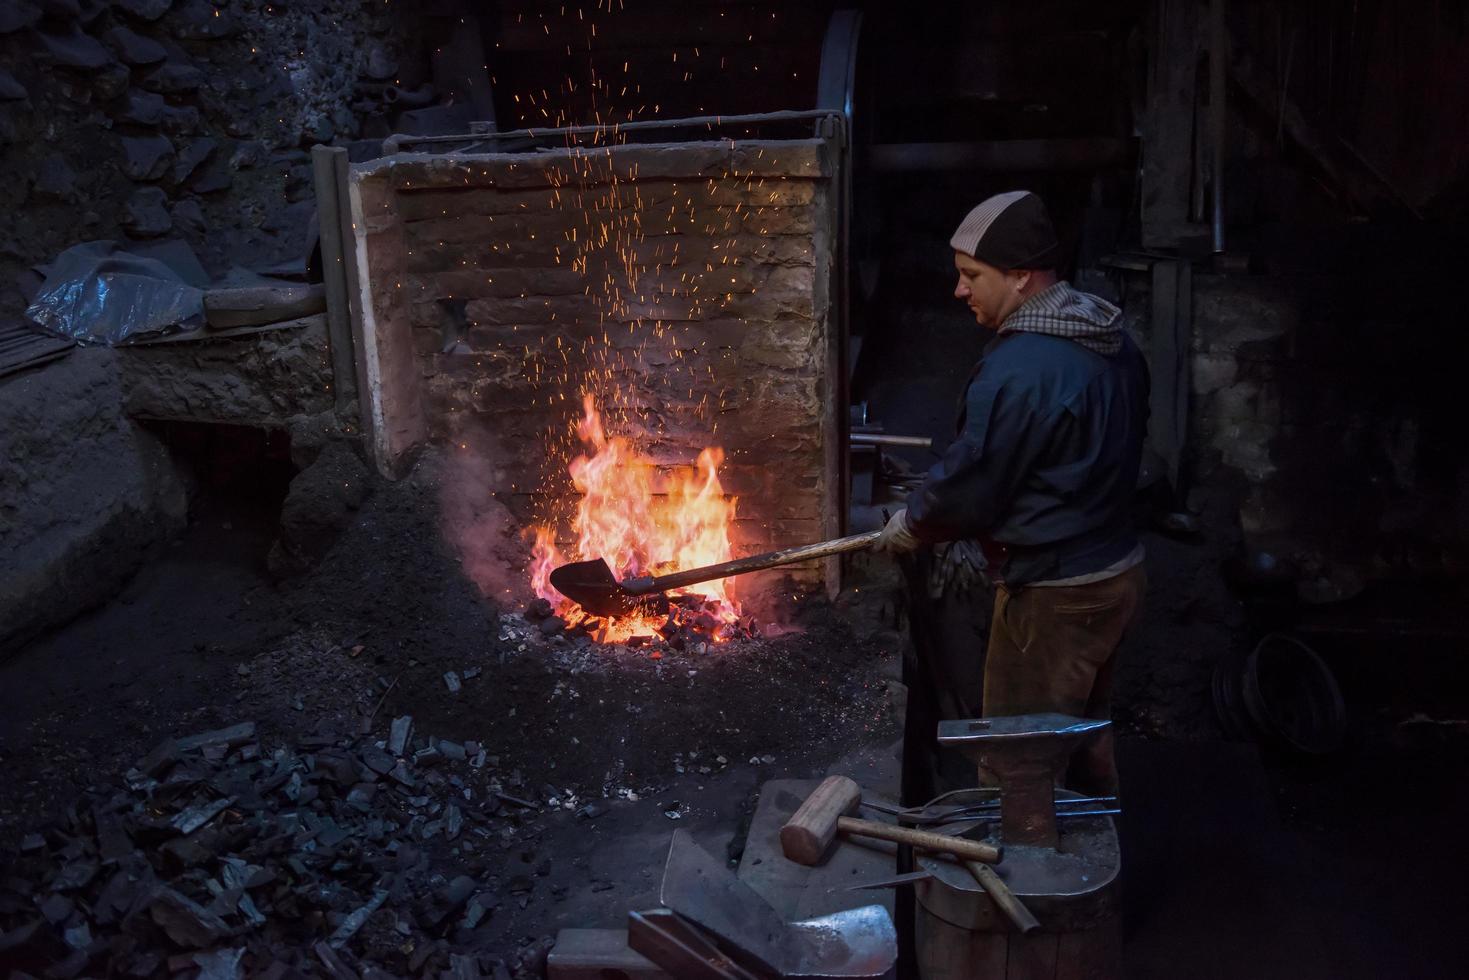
<point>960,847</point>
<point>1002,896</point>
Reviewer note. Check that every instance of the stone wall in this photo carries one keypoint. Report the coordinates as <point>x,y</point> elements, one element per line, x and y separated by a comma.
<point>140,119</point>
<point>88,493</point>
<point>685,285</point>
<point>1322,412</point>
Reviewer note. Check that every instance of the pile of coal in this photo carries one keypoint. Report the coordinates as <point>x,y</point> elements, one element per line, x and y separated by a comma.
<point>222,858</point>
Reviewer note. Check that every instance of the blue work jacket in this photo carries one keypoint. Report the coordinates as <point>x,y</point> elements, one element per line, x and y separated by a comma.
<point>1046,461</point>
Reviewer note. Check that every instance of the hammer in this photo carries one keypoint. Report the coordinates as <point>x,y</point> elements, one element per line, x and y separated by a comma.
<point>806,836</point>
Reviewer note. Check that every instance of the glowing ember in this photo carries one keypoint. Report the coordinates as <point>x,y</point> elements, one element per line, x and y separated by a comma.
<point>620,518</point>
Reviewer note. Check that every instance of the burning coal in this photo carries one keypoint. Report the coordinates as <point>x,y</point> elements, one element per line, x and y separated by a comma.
<point>626,515</point>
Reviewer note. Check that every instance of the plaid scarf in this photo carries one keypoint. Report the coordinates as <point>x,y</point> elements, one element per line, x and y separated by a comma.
<point>1060,311</point>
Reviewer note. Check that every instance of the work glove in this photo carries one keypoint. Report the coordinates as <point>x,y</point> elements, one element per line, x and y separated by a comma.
<point>896,539</point>
<point>958,567</point>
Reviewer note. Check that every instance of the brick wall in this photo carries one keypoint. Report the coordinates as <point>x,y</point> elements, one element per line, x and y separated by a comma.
<point>686,284</point>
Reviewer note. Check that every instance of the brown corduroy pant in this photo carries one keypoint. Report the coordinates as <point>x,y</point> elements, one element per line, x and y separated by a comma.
<point>1053,648</point>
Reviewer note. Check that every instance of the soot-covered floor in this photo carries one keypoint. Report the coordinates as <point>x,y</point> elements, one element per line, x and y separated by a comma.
<point>558,771</point>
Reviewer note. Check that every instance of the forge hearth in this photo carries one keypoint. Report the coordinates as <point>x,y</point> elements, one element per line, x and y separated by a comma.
<point>662,624</point>
<point>683,287</point>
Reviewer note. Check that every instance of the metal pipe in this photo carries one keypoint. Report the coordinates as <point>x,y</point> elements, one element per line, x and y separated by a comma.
<point>1218,65</point>
<point>689,122</point>
<point>1098,153</point>
<point>880,439</point>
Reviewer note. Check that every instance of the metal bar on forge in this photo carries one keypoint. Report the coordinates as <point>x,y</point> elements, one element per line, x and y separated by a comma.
<point>688,122</point>
<point>334,259</point>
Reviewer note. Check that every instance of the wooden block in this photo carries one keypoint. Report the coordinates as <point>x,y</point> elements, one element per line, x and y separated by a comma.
<point>794,890</point>
<point>1095,954</point>
<point>1032,957</point>
<point>948,952</point>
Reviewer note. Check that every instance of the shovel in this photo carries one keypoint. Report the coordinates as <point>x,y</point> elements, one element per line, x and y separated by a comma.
<point>591,584</point>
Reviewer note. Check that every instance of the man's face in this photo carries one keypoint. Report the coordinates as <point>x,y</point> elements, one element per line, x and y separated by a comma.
<point>989,292</point>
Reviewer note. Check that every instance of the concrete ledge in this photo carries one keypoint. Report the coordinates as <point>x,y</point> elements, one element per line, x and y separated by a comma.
<point>261,379</point>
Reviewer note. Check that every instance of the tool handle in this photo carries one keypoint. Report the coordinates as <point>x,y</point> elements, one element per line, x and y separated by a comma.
<point>645,584</point>
<point>1003,897</point>
<point>960,847</point>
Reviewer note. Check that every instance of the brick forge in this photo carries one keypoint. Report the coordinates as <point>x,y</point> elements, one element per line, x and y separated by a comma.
<point>688,285</point>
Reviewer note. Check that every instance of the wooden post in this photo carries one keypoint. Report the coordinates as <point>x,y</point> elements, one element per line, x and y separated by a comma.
<point>1169,124</point>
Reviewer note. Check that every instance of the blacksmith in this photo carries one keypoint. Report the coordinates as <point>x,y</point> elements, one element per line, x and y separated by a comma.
<point>1042,474</point>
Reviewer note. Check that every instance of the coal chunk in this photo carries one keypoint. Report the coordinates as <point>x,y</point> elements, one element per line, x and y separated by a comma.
<point>185,921</point>
<point>399,734</point>
<point>33,939</point>
<point>76,875</point>
<point>221,964</point>
<point>233,735</point>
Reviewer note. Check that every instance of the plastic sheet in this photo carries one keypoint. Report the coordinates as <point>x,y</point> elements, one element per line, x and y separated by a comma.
<point>96,293</point>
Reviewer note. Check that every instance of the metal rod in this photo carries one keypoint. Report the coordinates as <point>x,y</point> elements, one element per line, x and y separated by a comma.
<point>980,810</point>
<point>975,816</point>
<point>688,122</point>
<point>881,439</point>
<point>893,808</point>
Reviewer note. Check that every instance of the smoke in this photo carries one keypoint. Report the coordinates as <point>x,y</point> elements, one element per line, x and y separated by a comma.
<point>482,530</point>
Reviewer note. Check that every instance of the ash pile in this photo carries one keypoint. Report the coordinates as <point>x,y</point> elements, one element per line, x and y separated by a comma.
<point>222,858</point>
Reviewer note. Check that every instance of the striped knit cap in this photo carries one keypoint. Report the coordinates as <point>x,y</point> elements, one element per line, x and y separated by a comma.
<point>1009,231</point>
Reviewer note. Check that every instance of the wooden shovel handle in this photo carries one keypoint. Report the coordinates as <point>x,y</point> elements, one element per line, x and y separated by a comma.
<point>960,847</point>
<point>643,585</point>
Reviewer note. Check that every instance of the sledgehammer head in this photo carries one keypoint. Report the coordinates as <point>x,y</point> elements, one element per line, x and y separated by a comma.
<point>807,835</point>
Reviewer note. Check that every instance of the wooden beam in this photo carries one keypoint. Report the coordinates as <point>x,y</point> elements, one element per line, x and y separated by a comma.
<point>1342,169</point>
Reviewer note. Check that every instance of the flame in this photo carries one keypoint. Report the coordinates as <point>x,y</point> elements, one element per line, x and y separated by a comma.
<point>620,517</point>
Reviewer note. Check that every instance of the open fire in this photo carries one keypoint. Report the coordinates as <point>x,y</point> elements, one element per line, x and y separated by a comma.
<point>640,527</point>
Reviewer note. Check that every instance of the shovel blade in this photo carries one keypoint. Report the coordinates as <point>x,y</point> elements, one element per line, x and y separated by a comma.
<point>591,585</point>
